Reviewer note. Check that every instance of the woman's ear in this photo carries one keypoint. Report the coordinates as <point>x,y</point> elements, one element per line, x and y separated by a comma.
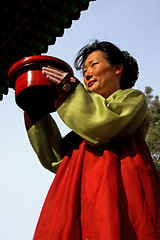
<point>118,68</point>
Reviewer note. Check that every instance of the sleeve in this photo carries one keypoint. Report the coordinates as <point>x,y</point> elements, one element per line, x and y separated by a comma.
<point>46,141</point>
<point>44,134</point>
<point>99,120</point>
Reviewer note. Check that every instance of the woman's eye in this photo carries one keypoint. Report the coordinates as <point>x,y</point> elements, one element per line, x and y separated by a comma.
<point>94,63</point>
<point>84,71</point>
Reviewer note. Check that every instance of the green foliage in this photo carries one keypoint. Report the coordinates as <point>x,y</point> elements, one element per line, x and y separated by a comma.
<point>157,164</point>
<point>153,137</point>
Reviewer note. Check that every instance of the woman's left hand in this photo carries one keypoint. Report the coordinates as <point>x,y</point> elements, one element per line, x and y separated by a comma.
<point>54,75</point>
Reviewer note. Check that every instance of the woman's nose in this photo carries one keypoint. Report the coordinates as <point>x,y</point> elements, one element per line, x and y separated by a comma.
<point>89,74</point>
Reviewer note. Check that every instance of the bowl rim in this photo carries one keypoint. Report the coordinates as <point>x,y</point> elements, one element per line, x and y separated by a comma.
<point>35,60</point>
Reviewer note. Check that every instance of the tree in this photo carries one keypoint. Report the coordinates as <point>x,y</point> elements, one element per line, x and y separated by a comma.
<point>153,137</point>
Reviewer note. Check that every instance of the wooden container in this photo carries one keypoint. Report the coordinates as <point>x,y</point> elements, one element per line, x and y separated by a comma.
<point>33,91</point>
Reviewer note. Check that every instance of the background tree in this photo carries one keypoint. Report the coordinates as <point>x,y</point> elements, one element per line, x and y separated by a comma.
<point>153,137</point>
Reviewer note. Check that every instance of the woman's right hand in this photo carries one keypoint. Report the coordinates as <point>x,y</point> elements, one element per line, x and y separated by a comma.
<point>54,75</point>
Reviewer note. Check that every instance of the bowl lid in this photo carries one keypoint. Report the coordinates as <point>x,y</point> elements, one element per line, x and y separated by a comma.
<point>38,60</point>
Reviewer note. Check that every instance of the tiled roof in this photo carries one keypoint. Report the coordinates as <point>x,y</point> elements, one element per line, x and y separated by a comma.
<point>28,29</point>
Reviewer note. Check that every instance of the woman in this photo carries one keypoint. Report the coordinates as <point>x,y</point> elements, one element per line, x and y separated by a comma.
<point>106,186</point>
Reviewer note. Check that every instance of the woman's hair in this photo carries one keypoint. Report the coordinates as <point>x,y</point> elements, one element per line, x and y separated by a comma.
<point>114,56</point>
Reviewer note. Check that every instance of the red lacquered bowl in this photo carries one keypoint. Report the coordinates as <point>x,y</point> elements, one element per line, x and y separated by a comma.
<point>33,91</point>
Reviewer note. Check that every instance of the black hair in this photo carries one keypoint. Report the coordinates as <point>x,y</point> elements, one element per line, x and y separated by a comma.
<point>114,56</point>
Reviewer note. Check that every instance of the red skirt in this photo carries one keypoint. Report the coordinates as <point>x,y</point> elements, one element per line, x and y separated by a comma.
<point>109,192</point>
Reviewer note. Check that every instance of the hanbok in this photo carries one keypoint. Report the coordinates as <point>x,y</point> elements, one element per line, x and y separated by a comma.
<point>106,185</point>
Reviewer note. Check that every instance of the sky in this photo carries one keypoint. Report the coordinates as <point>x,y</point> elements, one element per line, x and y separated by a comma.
<point>131,25</point>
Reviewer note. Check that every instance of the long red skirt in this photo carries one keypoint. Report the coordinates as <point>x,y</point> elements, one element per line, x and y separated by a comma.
<point>105,193</point>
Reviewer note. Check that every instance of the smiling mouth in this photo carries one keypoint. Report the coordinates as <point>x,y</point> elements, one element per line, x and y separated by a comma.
<point>90,83</point>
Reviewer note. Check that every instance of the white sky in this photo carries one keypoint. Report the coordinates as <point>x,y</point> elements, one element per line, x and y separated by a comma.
<point>131,25</point>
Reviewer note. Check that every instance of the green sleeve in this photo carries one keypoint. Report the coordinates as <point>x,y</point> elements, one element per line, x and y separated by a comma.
<point>46,140</point>
<point>99,120</point>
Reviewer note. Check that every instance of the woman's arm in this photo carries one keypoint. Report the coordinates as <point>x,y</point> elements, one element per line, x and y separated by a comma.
<point>99,120</point>
<point>95,119</point>
<point>46,141</point>
<point>42,130</point>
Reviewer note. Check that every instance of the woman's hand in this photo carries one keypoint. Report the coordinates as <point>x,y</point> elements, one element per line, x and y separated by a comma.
<point>56,76</point>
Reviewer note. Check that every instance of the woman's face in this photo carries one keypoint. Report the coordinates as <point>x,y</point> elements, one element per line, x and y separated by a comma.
<point>100,76</point>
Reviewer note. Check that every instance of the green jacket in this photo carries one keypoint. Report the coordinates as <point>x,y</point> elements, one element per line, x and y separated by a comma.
<point>97,120</point>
